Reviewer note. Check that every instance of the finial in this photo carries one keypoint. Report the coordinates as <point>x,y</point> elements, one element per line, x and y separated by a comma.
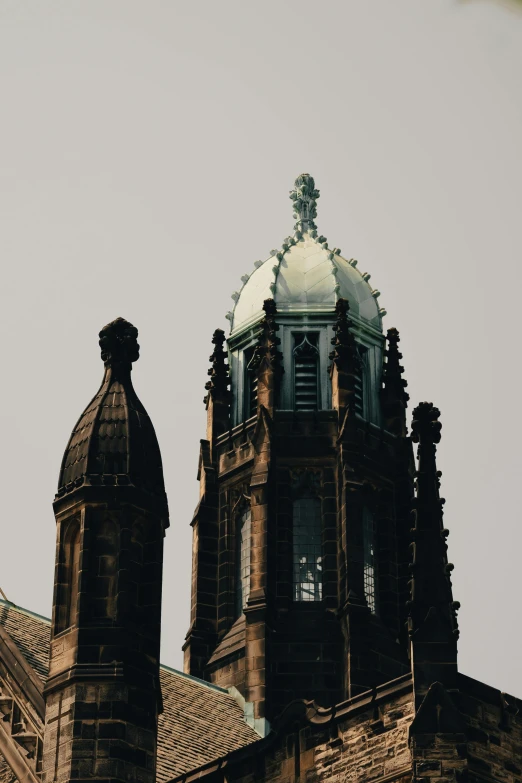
<point>394,396</point>
<point>119,343</point>
<point>304,195</point>
<point>219,372</point>
<point>425,427</point>
<point>345,348</point>
<point>268,340</point>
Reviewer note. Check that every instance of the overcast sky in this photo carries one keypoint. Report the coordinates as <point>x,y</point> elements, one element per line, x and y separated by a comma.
<point>147,150</point>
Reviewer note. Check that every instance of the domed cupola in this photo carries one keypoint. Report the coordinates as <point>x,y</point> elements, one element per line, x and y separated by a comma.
<point>114,443</point>
<point>306,278</point>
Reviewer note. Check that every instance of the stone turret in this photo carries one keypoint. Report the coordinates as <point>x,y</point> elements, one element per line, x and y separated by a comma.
<point>299,545</point>
<point>103,693</point>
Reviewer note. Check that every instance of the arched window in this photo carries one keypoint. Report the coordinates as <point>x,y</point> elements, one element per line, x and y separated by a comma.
<point>74,574</point>
<point>243,552</point>
<point>105,571</point>
<point>306,359</point>
<point>369,560</point>
<point>307,549</point>
<point>69,576</point>
<point>135,577</point>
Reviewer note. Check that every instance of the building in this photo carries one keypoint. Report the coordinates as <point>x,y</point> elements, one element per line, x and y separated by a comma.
<point>322,645</point>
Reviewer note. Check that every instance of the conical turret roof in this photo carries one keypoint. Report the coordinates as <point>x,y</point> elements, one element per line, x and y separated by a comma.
<point>114,442</point>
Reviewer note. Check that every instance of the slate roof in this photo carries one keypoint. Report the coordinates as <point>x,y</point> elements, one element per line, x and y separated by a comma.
<point>31,634</point>
<point>200,722</point>
<point>99,450</point>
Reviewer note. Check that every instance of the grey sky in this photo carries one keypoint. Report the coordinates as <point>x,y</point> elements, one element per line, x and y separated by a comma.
<point>146,154</point>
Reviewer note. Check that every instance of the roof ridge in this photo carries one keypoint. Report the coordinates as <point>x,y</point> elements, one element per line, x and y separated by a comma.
<point>11,605</point>
<point>194,679</point>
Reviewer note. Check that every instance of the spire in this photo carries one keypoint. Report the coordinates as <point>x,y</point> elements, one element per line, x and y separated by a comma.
<point>267,359</point>
<point>345,366</point>
<point>304,195</point>
<point>268,340</point>
<point>394,397</point>
<point>219,381</point>
<point>345,348</point>
<point>217,400</point>
<point>432,622</point>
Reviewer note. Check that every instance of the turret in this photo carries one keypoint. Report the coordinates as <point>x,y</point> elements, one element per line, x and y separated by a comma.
<point>103,693</point>
<point>299,536</point>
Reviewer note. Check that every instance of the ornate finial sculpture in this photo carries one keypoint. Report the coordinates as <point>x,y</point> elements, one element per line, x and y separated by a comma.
<point>394,397</point>
<point>432,622</point>
<point>268,341</point>
<point>305,195</point>
<point>119,343</point>
<point>219,372</point>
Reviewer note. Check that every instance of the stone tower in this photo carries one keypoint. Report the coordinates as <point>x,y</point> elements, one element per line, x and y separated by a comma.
<point>103,694</point>
<point>302,533</point>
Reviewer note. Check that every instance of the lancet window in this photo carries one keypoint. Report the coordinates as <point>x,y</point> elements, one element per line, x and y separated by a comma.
<point>67,602</point>
<point>369,560</point>
<point>243,558</point>
<point>105,571</point>
<point>307,535</point>
<point>74,570</point>
<point>306,361</point>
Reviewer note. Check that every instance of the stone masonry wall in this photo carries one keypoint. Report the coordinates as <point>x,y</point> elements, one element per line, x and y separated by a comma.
<point>92,731</point>
<point>494,735</point>
<point>373,746</point>
<point>368,747</point>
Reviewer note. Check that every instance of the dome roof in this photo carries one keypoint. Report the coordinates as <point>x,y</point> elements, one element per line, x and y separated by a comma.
<point>305,276</point>
<point>114,442</point>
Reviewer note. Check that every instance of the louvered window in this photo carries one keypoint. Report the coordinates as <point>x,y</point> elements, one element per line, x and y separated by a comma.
<point>250,400</point>
<point>369,560</point>
<point>243,549</point>
<point>360,385</point>
<point>306,360</point>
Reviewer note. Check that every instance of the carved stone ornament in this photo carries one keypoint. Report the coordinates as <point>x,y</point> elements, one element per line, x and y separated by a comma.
<point>305,195</point>
<point>306,482</point>
<point>119,343</point>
